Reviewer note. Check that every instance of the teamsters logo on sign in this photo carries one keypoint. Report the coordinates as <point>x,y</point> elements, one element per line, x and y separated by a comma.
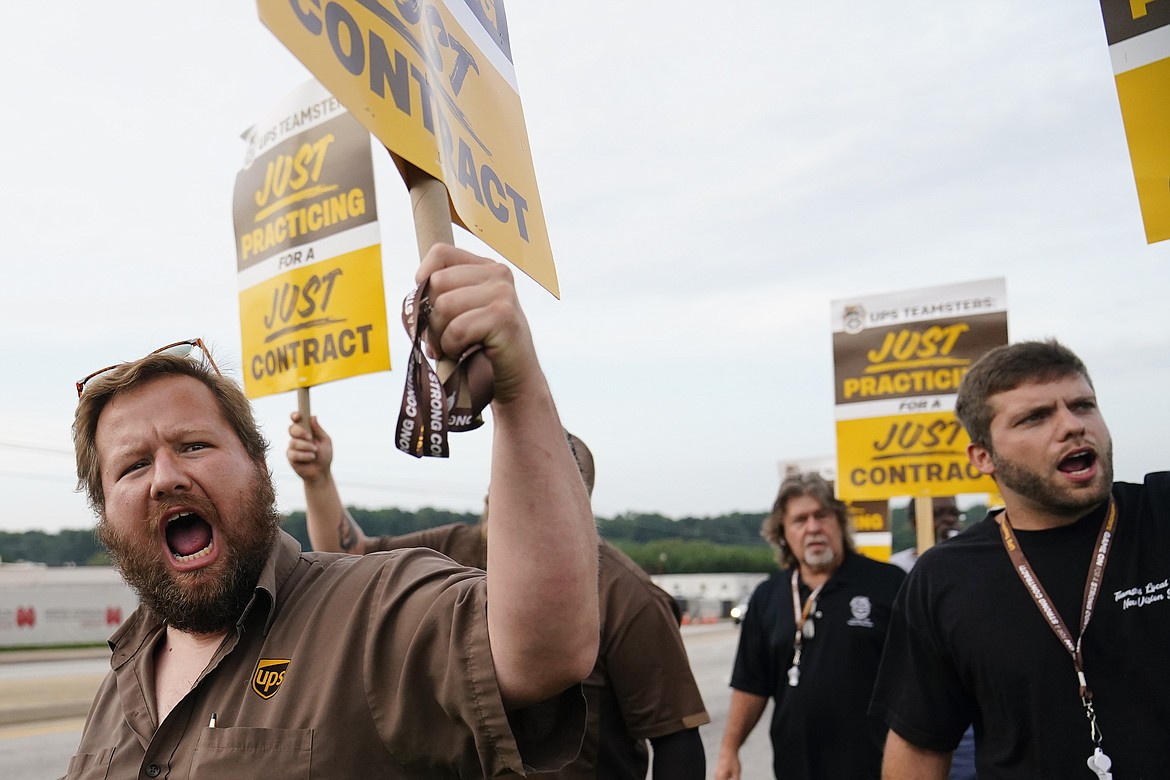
<point>899,359</point>
<point>312,304</point>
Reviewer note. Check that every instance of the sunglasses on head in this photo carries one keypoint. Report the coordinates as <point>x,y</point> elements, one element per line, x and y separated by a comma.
<point>179,348</point>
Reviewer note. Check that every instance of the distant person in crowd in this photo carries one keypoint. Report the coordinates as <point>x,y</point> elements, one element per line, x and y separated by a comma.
<point>947,523</point>
<point>1046,624</point>
<point>947,520</point>
<point>811,640</point>
<point>642,687</point>
<point>251,659</point>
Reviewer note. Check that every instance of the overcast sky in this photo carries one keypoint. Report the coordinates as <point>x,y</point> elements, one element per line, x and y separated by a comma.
<point>713,175</point>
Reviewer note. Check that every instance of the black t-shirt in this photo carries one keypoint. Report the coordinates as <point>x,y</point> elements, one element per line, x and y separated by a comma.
<point>820,728</point>
<point>969,645</point>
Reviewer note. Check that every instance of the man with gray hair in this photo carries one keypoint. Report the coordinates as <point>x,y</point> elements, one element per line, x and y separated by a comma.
<point>811,640</point>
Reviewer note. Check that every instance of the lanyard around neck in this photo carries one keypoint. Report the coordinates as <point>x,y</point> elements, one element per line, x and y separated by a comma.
<point>801,613</point>
<point>1048,609</point>
<point>804,626</point>
<point>1044,602</point>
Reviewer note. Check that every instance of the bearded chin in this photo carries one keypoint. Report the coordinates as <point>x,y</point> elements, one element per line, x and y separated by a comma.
<point>821,558</point>
<point>203,601</point>
<point>1027,482</point>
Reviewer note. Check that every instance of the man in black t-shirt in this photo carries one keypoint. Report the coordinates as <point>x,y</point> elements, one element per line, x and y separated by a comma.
<point>811,641</point>
<point>1047,625</point>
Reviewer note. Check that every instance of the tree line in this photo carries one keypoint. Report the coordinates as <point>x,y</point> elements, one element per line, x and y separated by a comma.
<point>659,544</point>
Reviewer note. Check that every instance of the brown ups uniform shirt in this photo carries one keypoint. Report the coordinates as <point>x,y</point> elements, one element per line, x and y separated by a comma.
<point>642,686</point>
<point>341,667</point>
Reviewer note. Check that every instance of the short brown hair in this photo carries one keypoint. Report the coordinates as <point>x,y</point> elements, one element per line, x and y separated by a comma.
<point>1006,368</point>
<point>584,459</point>
<point>795,486</point>
<point>103,388</point>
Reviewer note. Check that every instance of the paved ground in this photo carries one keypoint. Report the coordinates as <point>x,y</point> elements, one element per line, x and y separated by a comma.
<point>37,697</point>
<point>44,697</point>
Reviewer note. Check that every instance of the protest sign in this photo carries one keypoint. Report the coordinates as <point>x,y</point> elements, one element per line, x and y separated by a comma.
<point>312,305</point>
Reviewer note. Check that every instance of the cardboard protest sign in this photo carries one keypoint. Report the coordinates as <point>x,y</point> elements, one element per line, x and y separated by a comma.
<point>434,82</point>
<point>1138,32</point>
<point>312,305</point>
<point>898,361</point>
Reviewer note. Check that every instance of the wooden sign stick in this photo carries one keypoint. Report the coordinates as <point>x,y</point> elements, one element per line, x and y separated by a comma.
<point>303,408</point>
<point>432,223</point>
<point>924,522</point>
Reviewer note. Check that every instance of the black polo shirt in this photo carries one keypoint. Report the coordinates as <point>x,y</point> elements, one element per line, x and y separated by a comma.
<point>821,728</point>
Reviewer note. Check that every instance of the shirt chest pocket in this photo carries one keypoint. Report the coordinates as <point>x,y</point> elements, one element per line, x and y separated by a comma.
<point>253,753</point>
<point>90,766</point>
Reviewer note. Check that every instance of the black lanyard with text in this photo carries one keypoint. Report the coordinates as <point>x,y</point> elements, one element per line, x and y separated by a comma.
<point>1055,622</point>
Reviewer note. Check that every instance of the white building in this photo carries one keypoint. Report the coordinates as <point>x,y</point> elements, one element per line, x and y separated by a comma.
<point>45,606</point>
<point>708,596</point>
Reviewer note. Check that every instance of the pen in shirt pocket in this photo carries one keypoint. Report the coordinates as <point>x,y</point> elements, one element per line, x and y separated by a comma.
<point>211,723</point>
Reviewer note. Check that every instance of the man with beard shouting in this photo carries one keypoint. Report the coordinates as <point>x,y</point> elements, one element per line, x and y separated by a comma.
<point>1047,625</point>
<point>251,659</point>
<point>811,640</point>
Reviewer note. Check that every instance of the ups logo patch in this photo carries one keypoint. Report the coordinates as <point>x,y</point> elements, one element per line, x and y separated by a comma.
<point>268,676</point>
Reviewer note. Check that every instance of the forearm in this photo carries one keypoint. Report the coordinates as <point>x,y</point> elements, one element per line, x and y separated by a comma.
<point>679,756</point>
<point>542,544</point>
<point>310,453</point>
<point>331,527</point>
<point>743,712</point>
<point>542,553</point>
<point>906,761</point>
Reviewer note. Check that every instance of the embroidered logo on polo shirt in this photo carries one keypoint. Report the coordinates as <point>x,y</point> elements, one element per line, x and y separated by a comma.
<point>860,607</point>
<point>268,676</point>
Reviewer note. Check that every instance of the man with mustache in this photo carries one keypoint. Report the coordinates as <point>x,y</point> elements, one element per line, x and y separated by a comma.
<point>1046,625</point>
<point>251,659</point>
<point>811,640</point>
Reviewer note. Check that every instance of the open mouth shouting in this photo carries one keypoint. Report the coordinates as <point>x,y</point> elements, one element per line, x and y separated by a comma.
<point>1079,465</point>
<point>190,540</point>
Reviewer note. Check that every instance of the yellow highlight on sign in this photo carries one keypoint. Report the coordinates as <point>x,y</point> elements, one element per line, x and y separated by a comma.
<point>887,457</point>
<point>429,84</point>
<point>1144,94</point>
<point>877,552</point>
<point>314,324</point>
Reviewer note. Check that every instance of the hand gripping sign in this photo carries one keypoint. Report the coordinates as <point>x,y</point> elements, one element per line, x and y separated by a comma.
<point>425,420</point>
<point>433,80</point>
